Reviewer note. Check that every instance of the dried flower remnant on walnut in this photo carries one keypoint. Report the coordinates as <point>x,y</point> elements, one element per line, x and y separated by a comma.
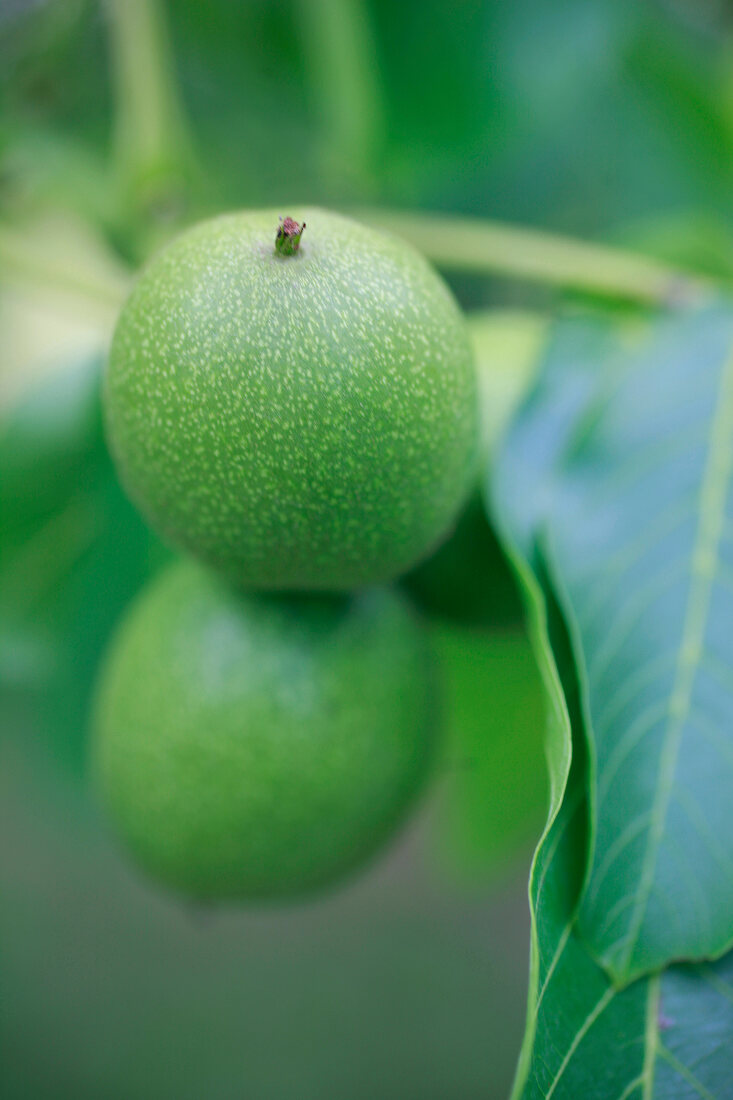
<point>287,241</point>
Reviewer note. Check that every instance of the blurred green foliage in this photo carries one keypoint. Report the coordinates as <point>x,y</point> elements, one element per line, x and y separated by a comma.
<point>396,988</point>
<point>73,553</point>
<point>582,115</point>
<point>608,119</point>
<point>495,786</point>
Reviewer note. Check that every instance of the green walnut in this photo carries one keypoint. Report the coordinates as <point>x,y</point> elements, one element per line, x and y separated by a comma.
<point>294,403</point>
<point>258,747</point>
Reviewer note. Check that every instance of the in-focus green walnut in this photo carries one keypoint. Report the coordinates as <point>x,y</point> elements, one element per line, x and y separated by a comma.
<point>301,416</point>
<point>252,746</point>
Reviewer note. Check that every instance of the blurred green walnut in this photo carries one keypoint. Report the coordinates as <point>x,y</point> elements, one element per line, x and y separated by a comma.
<point>252,746</point>
<point>300,417</point>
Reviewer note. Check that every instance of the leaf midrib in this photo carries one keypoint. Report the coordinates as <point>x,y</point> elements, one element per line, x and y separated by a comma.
<point>713,492</point>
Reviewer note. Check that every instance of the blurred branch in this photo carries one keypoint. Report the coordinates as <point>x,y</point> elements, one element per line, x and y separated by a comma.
<point>343,71</point>
<point>473,245</point>
<point>452,242</point>
<point>154,148</point>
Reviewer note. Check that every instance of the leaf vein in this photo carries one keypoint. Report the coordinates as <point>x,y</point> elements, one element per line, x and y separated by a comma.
<point>695,815</point>
<point>639,728</point>
<point>632,688</point>
<point>629,616</point>
<point>629,553</point>
<point>614,850</point>
<point>651,1036</point>
<point>579,1036</point>
<point>709,730</point>
<point>721,987</point>
<point>561,945</point>
<point>713,493</point>
<point>683,1072</point>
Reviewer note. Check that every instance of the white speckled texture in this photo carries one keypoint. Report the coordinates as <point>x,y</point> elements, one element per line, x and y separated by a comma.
<point>306,422</point>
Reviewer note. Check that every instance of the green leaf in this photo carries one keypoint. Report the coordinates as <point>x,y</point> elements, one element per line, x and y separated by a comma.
<point>578,346</point>
<point>641,543</point>
<point>664,1037</point>
<point>494,788</point>
<point>669,1035</point>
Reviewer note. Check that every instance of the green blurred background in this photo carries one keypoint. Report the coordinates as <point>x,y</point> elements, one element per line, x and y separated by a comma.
<point>120,122</point>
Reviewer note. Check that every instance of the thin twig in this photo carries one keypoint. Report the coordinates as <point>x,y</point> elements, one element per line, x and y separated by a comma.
<point>474,245</point>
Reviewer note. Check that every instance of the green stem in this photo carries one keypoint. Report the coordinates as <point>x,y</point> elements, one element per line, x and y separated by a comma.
<point>153,144</point>
<point>343,73</point>
<point>472,245</point>
<point>453,243</point>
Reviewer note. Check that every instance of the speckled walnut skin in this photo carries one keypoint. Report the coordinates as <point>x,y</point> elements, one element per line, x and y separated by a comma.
<point>299,422</point>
